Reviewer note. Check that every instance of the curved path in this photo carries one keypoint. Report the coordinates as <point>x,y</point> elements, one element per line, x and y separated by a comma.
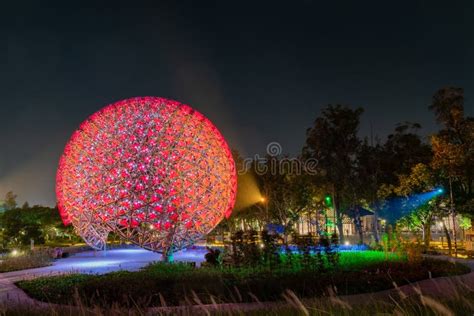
<point>89,262</point>
<point>134,259</point>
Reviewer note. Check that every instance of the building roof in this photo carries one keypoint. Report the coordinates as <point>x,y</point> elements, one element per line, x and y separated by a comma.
<point>359,210</point>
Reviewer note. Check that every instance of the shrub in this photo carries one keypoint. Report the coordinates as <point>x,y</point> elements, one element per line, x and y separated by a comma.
<point>236,248</point>
<point>251,249</point>
<point>212,257</point>
<point>181,284</point>
<point>270,254</point>
<point>22,261</point>
<point>330,247</point>
<point>244,249</point>
<point>304,245</point>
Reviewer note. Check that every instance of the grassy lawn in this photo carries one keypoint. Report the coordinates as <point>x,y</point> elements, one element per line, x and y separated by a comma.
<point>180,284</point>
<point>24,261</point>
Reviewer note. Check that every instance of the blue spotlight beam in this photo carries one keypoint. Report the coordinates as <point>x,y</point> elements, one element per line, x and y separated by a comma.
<point>398,207</point>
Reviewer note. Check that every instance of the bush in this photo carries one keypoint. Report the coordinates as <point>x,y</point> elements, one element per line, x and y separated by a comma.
<point>179,284</point>
<point>270,253</point>
<point>22,261</point>
<point>251,249</point>
<point>244,249</point>
<point>212,257</point>
<point>304,245</point>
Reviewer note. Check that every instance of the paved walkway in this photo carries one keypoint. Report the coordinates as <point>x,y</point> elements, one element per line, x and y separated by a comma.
<point>131,259</point>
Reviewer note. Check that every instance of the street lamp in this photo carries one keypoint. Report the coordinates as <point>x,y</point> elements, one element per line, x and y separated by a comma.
<point>453,212</point>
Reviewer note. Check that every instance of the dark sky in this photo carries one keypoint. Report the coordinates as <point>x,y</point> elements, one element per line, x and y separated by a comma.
<point>260,70</point>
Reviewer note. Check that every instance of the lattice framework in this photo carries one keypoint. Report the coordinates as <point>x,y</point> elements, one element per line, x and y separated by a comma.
<point>155,171</point>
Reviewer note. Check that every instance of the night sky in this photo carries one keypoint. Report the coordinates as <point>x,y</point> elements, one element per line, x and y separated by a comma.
<point>260,70</point>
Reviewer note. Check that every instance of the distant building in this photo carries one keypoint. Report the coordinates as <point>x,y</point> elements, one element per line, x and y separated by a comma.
<point>316,222</point>
<point>310,223</point>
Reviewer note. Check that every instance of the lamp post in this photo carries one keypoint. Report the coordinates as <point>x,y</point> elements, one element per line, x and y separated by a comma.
<point>453,212</point>
<point>263,202</point>
<point>327,202</point>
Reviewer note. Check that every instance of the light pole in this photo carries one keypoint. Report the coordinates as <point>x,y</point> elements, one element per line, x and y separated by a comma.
<point>453,212</point>
<point>329,201</point>
<point>263,202</point>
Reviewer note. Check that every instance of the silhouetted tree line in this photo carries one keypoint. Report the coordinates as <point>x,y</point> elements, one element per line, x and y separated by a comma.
<point>20,226</point>
<point>370,172</point>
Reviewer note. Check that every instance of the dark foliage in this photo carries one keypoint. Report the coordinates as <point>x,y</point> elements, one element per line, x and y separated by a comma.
<point>175,283</point>
<point>212,256</point>
<point>270,254</point>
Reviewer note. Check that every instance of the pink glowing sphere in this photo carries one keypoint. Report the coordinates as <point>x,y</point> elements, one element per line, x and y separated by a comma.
<point>154,171</point>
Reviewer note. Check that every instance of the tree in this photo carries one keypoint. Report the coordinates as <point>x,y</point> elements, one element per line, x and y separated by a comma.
<point>448,107</point>
<point>378,167</point>
<point>10,200</point>
<point>421,208</point>
<point>277,192</point>
<point>368,179</point>
<point>453,147</point>
<point>403,150</point>
<point>287,192</point>
<point>42,224</point>
<point>333,141</point>
<point>20,226</point>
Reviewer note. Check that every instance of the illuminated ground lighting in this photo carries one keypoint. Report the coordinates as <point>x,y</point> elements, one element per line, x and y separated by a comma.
<point>130,259</point>
<point>153,170</point>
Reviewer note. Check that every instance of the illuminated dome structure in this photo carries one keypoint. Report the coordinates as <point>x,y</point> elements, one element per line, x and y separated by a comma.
<point>152,170</point>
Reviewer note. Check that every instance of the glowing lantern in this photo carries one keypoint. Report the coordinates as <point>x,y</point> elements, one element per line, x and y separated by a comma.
<point>152,170</point>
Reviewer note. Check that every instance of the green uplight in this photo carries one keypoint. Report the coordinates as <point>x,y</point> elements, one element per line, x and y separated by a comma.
<point>328,200</point>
